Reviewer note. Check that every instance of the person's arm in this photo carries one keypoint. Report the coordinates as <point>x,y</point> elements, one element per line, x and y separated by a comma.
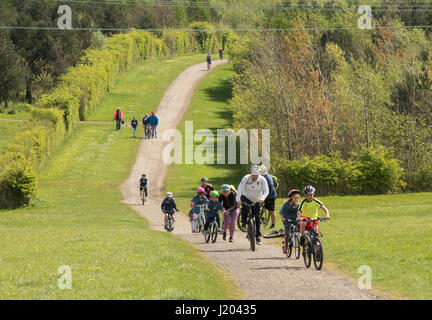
<point>240,189</point>
<point>327,215</point>
<point>282,211</point>
<point>175,205</point>
<point>265,192</point>
<point>163,205</point>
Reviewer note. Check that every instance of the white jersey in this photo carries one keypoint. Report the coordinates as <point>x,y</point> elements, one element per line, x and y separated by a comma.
<point>253,190</point>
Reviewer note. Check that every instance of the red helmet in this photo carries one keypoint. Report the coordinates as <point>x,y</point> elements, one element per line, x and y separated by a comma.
<point>153,113</point>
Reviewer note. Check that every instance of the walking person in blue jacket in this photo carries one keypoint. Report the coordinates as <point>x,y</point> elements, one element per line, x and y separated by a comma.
<point>153,121</point>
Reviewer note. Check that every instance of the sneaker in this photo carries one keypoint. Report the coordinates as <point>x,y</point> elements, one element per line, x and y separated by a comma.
<point>272,226</point>
<point>224,236</point>
<point>231,240</point>
<point>284,250</point>
<point>258,240</point>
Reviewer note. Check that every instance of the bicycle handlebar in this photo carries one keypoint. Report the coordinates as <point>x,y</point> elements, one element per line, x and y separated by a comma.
<point>317,219</point>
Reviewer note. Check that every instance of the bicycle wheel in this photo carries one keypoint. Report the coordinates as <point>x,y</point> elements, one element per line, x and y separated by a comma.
<point>251,234</point>
<point>265,217</point>
<point>143,200</point>
<point>207,234</point>
<point>244,229</point>
<point>274,234</point>
<point>214,231</point>
<point>289,247</point>
<point>297,246</point>
<point>307,255</point>
<point>318,256</point>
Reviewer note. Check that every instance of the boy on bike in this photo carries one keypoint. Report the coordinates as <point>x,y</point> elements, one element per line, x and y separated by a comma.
<point>309,208</point>
<point>168,206</point>
<point>288,213</point>
<point>213,207</point>
<point>143,185</point>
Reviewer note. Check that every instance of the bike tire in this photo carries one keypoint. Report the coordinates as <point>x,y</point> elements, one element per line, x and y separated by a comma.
<point>297,246</point>
<point>274,234</point>
<point>239,224</point>
<point>251,234</point>
<point>289,248</point>
<point>318,256</point>
<point>214,232</point>
<point>207,235</point>
<point>307,255</point>
<point>265,217</point>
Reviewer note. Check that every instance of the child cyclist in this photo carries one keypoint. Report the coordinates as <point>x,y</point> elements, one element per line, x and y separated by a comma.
<point>168,206</point>
<point>288,214</point>
<point>309,208</point>
<point>213,207</point>
<point>198,200</point>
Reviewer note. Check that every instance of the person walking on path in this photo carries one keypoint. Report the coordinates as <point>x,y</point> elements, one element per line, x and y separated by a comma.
<point>228,200</point>
<point>118,117</point>
<point>154,122</point>
<point>134,124</point>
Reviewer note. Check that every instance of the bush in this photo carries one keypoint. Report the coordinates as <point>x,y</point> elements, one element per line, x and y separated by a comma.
<point>18,183</point>
<point>370,171</point>
<point>380,172</point>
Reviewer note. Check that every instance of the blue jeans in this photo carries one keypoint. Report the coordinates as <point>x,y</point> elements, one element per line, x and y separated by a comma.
<point>118,124</point>
<point>154,131</point>
<point>134,131</point>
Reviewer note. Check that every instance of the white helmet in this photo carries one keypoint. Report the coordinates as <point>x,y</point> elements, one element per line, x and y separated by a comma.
<point>255,169</point>
<point>169,194</point>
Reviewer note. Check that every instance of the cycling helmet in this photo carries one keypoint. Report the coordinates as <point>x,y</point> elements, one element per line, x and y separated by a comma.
<point>204,179</point>
<point>200,190</point>
<point>169,194</point>
<point>214,193</point>
<point>255,169</point>
<point>263,169</point>
<point>143,174</point>
<point>293,192</point>
<point>225,187</point>
<point>308,190</point>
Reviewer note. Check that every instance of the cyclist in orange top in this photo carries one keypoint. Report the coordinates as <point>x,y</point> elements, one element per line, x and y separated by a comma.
<point>309,208</point>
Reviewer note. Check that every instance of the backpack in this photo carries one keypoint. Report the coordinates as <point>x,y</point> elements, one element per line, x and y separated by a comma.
<point>233,189</point>
<point>276,182</point>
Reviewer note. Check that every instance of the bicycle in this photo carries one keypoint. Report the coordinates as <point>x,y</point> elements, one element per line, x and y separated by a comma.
<point>313,246</point>
<point>169,226</point>
<point>148,132</point>
<point>265,219</point>
<point>143,196</point>
<point>212,231</point>
<point>293,240</point>
<point>198,219</point>
<point>251,226</point>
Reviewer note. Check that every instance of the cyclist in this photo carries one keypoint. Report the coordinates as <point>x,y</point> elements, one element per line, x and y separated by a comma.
<point>168,206</point>
<point>198,200</point>
<point>289,212</point>
<point>213,207</point>
<point>309,208</point>
<point>143,185</point>
<point>253,189</point>
<point>221,53</point>
<point>209,61</point>
<point>207,186</point>
<point>228,200</point>
<point>269,202</point>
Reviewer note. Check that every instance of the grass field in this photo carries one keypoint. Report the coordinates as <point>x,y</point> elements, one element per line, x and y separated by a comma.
<point>390,233</point>
<point>21,112</point>
<point>141,90</point>
<point>79,221</point>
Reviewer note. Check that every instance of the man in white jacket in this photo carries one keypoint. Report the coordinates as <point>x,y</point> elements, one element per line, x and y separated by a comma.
<point>252,189</point>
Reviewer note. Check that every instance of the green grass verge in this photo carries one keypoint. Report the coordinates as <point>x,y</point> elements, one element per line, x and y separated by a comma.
<point>80,222</point>
<point>390,233</point>
<point>20,112</point>
<point>140,90</point>
<point>8,129</point>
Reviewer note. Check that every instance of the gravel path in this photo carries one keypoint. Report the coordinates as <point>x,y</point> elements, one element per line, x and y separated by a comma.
<point>263,274</point>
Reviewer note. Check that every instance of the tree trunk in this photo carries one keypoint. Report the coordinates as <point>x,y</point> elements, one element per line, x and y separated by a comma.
<point>29,97</point>
<point>365,112</point>
<point>6,97</point>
